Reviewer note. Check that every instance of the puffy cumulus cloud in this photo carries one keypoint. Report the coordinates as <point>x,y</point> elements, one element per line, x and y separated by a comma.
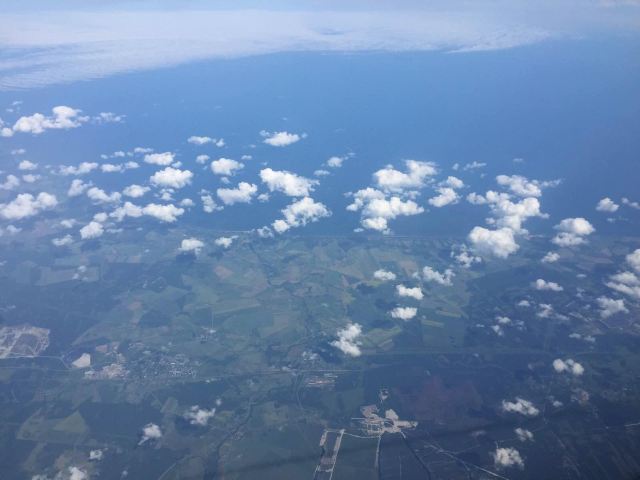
<point>10,183</point>
<point>281,139</point>
<point>288,183</point>
<point>199,416</point>
<point>202,159</point>
<point>97,195</point>
<point>446,196</point>
<point>607,205</point>
<point>171,178</point>
<point>508,214</point>
<point>523,434</point>
<point>62,241</point>
<point>226,166</point>
<point>416,174</point>
<point>384,275</point>
<point>609,306</point>
<point>521,406</point>
<point>26,205</point>
<point>225,242</point>
<point>108,117</point>
<point>453,182</point>
<point>96,455</point>
<point>377,209</point>
<point>403,313</point>
<point>126,210</point>
<point>497,243</point>
<point>30,178</point>
<point>162,159</point>
<point>77,474</point>
<point>335,162</point>
<point>62,117</point>
<point>633,259</point>
<point>197,140</point>
<point>243,193</point>
<point>572,232</point>
<point>523,187</point>
<point>135,191</point>
<point>627,283</point>
<point>550,257</point>
<point>150,431</point>
<point>464,257</point>
<point>165,213</point>
<point>348,340</point>
<point>541,284</point>
<point>569,365</point>
<point>78,187</point>
<point>27,165</point>
<point>189,245</point>
<point>444,278</point>
<point>91,230</point>
<point>209,205</point>
<point>82,169</point>
<point>300,213</point>
<point>507,457</point>
<point>414,292</point>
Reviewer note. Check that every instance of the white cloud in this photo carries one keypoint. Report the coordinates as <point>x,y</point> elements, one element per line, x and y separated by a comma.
<point>202,159</point>
<point>77,187</point>
<point>335,162</point>
<point>453,182</point>
<point>498,243</point>
<point>226,166</point>
<point>62,117</point>
<point>465,258</point>
<point>550,257</point>
<point>523,187</point>
<point>76,474</point>
<point>609,306</point>
<point>506,213</point>
<point>82,169</point>
<point>62,241</point>
<point>569,365</point>
<point>191,245</point>
<point>224,242</point>
<point>444,278</point>
<point>384,275</point>
<point>199,416</point>
<point>27,165</point>
<point>607,205</point>
<point>166,213</point>
<point>300,213</point>
<point>507,457</point>
<point>10,183</point>
<point>126,210</point>
<point>414,292</point>
<point>347,341</point>
<point>30,178</point>
<point>572,232</point>
<point>26,205</point>
<point>163,159</point>
<point>197,140</point>
<point>135,191</point>
<point>394,180</point>
<point>111,168</point>
<point>377,210</point>
<point>97,195</point>
<point>96,455</point>
<point>541,284</point>
<point>321,173</point>
<point>242,194</point>
<point>288,183</point>
<point>627,283</point>
<point>521,406</point>
<point>209,205</point>
<point>633,259</point>
<point>151,431</point>
<point>404,313</point>
<point>171,178</point>
<point>446,196</point>
<point>280,139</point>
<point>91,230</point>
<point>629,203</point>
